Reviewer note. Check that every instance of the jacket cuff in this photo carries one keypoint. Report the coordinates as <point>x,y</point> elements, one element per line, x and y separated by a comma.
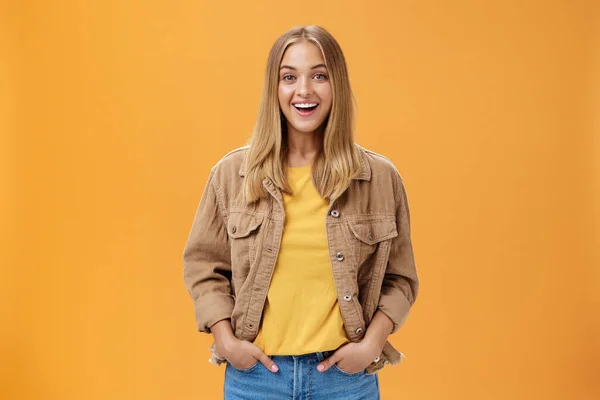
<point>212,308</point>
<point>396,307</point>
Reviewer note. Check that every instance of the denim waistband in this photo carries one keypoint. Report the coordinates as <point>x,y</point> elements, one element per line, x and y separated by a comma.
<point>319,355</point>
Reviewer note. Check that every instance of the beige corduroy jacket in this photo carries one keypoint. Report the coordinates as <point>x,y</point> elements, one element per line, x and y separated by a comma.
<point>232,247</point>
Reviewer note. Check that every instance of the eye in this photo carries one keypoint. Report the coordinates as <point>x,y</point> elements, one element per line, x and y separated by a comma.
<point>288,78</point>
<point>322,76</point>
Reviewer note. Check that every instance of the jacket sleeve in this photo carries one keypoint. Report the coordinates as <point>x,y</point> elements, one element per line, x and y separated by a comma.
<point>206,261</point>
<point>400,283</point>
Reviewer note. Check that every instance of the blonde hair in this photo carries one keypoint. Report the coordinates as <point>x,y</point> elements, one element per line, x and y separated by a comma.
<point>338,160</point>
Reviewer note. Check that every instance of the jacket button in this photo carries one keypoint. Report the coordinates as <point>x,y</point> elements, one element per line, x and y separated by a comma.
<point>370,235</point>
<point>348,297</point>
<point>233,229</point>
<point>359,330</point>
<point>335,213</point>
<point>377,359</point>
<point>339,256</point>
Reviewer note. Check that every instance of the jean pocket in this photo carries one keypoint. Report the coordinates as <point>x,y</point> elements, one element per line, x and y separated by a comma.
<point>338,369</point>
<point>246,370</point>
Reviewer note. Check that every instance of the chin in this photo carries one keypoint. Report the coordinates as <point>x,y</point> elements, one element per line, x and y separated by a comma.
<point>306,128</point>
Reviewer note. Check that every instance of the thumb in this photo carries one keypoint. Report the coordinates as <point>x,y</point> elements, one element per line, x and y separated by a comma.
<point>266,361</point>
<point>328,362</point>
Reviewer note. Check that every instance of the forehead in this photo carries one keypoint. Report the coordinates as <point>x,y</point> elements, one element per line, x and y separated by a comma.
<point>303,54</point>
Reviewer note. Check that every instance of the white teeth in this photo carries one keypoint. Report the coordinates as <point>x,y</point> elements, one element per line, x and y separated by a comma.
<point>305,105</point>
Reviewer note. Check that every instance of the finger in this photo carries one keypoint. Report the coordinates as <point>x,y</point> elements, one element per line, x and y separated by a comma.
<point>267,362</point>
<point>328,362</point>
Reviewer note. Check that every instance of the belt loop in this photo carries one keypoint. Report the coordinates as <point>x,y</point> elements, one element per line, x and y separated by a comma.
<point>320,356</point>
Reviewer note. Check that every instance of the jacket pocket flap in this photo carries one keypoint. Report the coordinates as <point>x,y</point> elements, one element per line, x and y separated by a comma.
<point>241,225</point>
<point>373,231</point>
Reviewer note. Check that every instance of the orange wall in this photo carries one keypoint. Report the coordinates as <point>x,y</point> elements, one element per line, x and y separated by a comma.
<point>596,146</point>
<point>113,112</point>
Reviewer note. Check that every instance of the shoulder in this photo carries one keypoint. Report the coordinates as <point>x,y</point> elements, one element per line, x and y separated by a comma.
<point>233,158</point>
<point>380,164</point>
<point>230,163</point>
<point>385,175</point>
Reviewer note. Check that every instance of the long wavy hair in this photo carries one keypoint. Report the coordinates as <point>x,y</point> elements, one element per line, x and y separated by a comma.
<point>337,161</point>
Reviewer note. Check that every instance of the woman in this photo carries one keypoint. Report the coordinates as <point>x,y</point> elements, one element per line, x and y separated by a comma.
<point>299,260</point>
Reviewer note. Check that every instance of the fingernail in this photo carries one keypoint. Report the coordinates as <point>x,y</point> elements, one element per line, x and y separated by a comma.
<point>320,367</point>
<point>274,368</point>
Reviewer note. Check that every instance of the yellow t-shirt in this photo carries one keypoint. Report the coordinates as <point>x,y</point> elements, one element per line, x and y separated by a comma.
<point>301,313</point>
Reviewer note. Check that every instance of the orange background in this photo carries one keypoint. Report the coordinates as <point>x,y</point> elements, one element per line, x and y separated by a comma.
<point>113,112</point>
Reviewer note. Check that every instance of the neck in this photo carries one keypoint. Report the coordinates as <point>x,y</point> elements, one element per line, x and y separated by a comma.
<point>302,147</point>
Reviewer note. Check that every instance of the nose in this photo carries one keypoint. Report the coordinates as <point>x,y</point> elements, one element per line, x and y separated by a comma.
<point>304,87</point>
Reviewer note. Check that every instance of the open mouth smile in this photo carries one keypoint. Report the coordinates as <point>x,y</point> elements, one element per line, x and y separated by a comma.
<point>305,109</point>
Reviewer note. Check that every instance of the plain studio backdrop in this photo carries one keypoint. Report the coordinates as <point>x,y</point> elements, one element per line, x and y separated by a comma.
<point>112,113</point>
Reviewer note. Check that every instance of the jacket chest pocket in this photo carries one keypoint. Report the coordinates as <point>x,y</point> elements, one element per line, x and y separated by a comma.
<point>243,230</point>
<point>369,234</point>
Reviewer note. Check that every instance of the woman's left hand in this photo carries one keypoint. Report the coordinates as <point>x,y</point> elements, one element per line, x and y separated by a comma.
<point>351,357</point>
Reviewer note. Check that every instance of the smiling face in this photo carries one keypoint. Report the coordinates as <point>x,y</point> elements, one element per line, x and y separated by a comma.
<point>305,95</point>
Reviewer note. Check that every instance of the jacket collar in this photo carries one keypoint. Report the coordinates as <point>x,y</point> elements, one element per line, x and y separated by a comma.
<point>365,173</point>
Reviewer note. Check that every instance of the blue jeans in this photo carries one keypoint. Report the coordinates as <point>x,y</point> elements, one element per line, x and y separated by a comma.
<point>298,379</point>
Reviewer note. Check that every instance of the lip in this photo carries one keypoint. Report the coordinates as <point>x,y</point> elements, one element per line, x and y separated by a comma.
<point>305,113</point>
<point>304,101</point>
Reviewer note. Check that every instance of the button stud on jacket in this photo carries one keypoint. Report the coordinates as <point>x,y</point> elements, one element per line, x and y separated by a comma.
<point>233,229</point>
<point>347,297</point>
<point>335,213</point>
<point>339,256</point>
<point>358,330</point>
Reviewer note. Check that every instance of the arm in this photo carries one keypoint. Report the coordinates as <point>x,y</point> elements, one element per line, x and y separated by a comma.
<point>206,261</point>
<point>207,276</point>
<point>400,283</point>
<point>378,331</point>
<point>398,293</point>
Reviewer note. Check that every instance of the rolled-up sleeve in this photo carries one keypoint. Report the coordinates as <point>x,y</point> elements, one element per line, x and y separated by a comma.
<point>206,261</point>
<point>401,283</point>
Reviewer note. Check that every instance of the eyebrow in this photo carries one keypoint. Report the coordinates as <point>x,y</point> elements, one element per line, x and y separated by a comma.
<point>292,68</point>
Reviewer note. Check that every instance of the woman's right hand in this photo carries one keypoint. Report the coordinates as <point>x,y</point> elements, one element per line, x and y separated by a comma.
<point>241,354</point>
